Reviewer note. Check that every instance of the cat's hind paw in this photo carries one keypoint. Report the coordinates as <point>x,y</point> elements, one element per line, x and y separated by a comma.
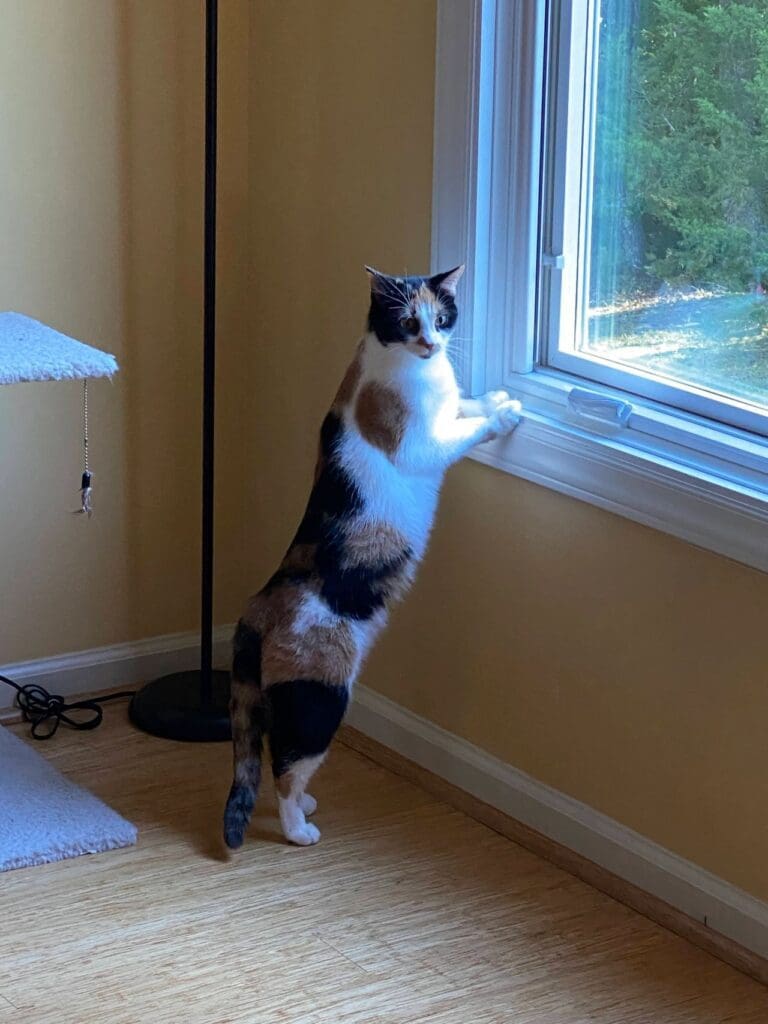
<point>303,835</point>
<point>307,803</point>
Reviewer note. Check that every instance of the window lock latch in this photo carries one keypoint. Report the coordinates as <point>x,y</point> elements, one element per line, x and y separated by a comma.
<point>553,260</point>
<point>595,406</point>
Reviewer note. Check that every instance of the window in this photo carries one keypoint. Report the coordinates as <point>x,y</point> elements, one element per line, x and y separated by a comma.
<point>599,165</point>
<point>656,227</point>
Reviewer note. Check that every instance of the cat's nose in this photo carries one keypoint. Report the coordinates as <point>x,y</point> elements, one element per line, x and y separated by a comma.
<point>426,345</point>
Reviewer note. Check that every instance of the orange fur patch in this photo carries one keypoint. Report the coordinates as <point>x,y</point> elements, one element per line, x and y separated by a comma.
<point>399,583</point>
<point>243,703</point>
<point>425,295</point>
<point>381,416</point>
<point>324,653</point>
<point>267,610</point>
<point>378,544</point>
<point>327,653</point>
<point>372,544</point>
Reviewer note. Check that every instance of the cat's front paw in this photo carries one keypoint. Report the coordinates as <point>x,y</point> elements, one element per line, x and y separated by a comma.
<point>505,418</point>
<point>493,399</point>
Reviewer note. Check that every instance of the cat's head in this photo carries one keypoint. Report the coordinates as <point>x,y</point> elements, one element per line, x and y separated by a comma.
<point>416,312</point>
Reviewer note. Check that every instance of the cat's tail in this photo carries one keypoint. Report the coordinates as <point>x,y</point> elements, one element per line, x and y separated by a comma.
<point>248,716</point>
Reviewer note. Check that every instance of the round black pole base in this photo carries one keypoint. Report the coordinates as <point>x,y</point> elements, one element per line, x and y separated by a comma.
<point>171,707</point>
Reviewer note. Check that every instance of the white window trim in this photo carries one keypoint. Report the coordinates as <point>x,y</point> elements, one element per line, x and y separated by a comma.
<point>669,470</point>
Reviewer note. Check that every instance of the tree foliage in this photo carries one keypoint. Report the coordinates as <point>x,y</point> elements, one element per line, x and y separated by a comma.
<point>681,164</point>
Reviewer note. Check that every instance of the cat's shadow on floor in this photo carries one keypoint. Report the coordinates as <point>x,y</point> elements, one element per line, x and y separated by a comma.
<point>203,828</point>
<point>208,840</point>
<point>184,796</point>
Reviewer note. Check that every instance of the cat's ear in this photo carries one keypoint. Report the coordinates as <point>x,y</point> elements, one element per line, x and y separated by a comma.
<point>378,281</point>
<point>447,282</point>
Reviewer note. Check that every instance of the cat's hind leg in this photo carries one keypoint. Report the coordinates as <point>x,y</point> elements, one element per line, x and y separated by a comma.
<point>308,804</point>
<point>291,800</point>
<point>304,717</point>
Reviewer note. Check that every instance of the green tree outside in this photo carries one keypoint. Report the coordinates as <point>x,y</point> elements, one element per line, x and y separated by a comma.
<point>681,168</point>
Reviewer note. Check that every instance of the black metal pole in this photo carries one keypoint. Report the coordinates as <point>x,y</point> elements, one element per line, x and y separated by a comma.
<point>193,705</point>
<point>209,351</point>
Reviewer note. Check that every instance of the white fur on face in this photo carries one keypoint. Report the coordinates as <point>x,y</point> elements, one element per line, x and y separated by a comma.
<point>425,306</point>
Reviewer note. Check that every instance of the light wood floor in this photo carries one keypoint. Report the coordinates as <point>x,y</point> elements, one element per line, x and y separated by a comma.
<point>406,912</point>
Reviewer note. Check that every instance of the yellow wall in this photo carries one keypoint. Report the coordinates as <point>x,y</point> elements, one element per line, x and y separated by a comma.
<point>101,117</point>
<point>340,170</point>
<point>613,662</point>
<point>63,259</point>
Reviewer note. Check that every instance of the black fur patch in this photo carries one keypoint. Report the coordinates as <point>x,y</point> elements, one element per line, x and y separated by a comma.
<point>386,310</point>
<point>334,495</point>
<point>450,311</point>
<point>303,718</point>
<point>359,591</point>
<point>335,498</point>
<point>246,661</point>
<point>330,434</point>
<point>288,576</point>
<point>356,593</point>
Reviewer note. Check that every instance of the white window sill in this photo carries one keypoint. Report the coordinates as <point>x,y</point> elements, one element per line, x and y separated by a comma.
<point>717,499</point>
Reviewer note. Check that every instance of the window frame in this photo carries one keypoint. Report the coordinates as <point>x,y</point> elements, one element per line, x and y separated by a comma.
<point>665,467</point>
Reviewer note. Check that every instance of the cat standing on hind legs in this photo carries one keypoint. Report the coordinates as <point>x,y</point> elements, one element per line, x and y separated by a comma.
<point>396,424</point>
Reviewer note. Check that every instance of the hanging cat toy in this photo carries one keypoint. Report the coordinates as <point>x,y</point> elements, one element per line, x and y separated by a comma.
<point>86,508</point>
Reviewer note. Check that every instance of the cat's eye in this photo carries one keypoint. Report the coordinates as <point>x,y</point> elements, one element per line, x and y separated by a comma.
<point>410,324</point>
<point>441,320</point>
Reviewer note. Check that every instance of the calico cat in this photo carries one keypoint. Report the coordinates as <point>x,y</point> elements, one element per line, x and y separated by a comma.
<point>396,424</point>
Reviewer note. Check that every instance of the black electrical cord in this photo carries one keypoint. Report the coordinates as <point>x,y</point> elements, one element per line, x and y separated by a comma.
<point>46,711</point>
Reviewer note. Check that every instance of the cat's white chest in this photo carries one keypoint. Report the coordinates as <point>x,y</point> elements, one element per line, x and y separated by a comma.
<point>404,500</point>
<point>401,487</point>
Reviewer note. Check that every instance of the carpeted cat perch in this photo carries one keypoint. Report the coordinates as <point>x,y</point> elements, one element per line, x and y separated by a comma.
<point>43,816</point>
<point>46,817</point>
<point>31,351</point>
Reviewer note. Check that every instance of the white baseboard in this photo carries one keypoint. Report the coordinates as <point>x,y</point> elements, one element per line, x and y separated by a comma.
<point>679,883</point>
<point>117,665</point>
